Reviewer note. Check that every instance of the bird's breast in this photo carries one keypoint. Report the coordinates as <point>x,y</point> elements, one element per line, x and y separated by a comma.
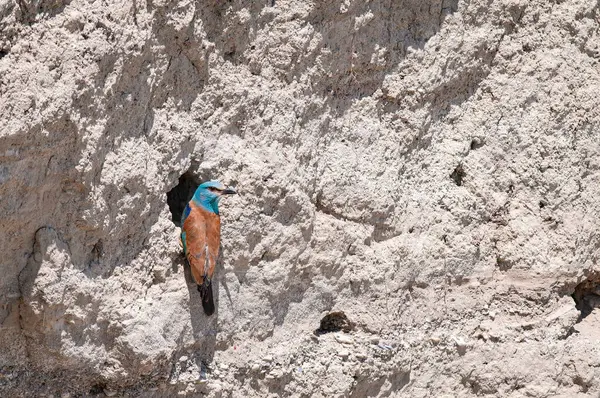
<point>207,222</point>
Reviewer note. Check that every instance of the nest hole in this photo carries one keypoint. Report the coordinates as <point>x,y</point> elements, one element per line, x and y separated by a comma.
<point>458,175</point>
<point>180,195</point>
<point>503,264</point>
<point>587,296</point>
<point>97,389</point>
<point>334,322</point>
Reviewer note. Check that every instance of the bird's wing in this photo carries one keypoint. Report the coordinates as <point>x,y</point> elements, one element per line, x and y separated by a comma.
<point>186,212</point>
<point>199,236</point>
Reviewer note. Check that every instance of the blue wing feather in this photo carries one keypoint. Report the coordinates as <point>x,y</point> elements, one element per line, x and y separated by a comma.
<point>183,243</point>
<point>186,213</point>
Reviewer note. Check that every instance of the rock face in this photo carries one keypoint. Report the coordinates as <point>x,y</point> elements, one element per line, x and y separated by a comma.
<point>431,168</point>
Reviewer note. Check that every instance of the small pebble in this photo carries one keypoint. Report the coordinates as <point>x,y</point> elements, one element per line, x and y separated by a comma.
<point>110,393</point>
<point>344,354</point>
<point>435,340</point>
<point>461,345</point>
<point>255,367</point>
<point>275,374</point>
<point>343,339</point>
<point>268,358</point>
<point>183,358</point>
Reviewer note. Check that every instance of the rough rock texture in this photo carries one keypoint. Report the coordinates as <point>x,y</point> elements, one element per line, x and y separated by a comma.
<point>429,167</point>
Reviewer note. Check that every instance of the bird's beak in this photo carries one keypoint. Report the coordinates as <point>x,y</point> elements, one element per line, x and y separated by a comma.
<point>228,191</point>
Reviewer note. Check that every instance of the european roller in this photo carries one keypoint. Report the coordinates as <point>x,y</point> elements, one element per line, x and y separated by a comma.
<point>201,237</point>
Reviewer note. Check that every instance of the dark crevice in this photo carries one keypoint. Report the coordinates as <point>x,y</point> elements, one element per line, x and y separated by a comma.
<point>97,389</point>
<point>587,296</point>
<point>476,143</point>
<point>584,386</point>
<point>458,175</point>
<point>180,195</point>
<point>503,264</point>
<point>334,322</point>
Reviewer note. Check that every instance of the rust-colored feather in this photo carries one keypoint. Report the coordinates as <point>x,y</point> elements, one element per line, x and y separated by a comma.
<point>202,238</point>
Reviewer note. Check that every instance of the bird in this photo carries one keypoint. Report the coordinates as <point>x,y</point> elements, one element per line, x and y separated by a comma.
<point>201,237</point>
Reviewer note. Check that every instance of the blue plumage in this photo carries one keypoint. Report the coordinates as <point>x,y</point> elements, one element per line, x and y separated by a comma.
<point>186,212</point>
<point>207,195</point>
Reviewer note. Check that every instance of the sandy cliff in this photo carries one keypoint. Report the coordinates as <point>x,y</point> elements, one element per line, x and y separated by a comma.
<point>430,168</point>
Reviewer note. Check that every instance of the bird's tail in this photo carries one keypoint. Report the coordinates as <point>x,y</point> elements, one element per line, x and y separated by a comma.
<point>206,292</point>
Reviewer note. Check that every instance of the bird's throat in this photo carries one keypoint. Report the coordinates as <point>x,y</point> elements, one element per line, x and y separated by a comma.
<point>208,203</point>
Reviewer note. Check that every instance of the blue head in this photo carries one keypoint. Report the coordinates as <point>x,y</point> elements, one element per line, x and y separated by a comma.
<point>209,193</point>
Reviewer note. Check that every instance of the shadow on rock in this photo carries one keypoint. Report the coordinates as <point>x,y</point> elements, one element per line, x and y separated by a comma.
<point>204,327</point>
